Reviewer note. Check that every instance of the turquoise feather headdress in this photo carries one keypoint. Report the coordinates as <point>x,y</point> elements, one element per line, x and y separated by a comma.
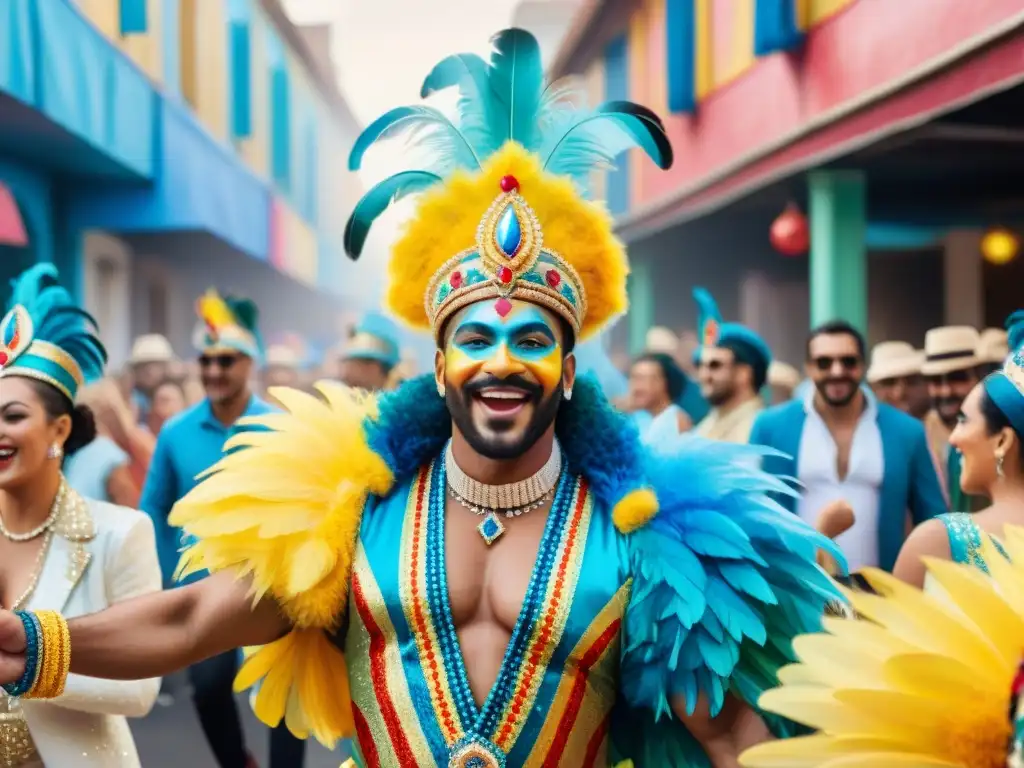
<point>747,345</point>
<point>45,336</point>
<point>503,215</point>
<point>228,323</point>
<point>1006,387</point>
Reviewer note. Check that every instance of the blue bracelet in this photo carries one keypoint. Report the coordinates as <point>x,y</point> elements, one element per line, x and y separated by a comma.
<point>32,656</point>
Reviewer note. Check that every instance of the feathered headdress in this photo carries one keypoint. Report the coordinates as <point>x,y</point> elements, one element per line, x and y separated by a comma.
<point>228,323</point>
<point>47,337</point>
<point>747,345</point>
<point>502,215</point>
<point>1006,387</point>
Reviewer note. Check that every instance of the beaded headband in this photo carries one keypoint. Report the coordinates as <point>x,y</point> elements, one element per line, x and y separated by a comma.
<point>21,354</point>
<point>508,261</point>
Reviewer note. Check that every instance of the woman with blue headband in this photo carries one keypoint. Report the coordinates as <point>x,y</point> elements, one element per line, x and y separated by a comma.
<point>60,552</point>
<point>988,435</point>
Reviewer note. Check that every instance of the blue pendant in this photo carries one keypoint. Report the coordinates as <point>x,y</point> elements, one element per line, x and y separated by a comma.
<point>509,234</point>
<point>490,529</point>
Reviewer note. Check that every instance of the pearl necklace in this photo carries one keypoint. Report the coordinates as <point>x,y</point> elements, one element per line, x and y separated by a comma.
<point>512,499</point>
<point>43,527</point>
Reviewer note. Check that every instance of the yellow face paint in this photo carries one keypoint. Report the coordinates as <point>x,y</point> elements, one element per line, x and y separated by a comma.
<point>524,342</point>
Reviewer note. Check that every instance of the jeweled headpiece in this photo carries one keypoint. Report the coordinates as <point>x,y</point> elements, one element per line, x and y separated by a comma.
<point>1006,387</point>
<point>228,324</point>
<point>47,337</point>
<point>746,344</point>
<point>502,215</point>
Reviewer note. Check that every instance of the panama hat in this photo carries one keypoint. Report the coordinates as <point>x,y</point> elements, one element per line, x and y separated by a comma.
<point>894,359</point>
<point>661,340</point>
<point>950,348</point>
<point>993,346</point>
<point>783,375</point>
<point>281,356</point>
<point>151,348</point>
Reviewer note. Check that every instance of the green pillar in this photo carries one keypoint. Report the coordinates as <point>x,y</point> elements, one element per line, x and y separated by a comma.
<point>839,265</point>
<point>641,304</point>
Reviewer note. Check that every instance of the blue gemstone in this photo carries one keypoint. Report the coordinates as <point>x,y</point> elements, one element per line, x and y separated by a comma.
<point>475,762</point>
<point>509,234</point>
<point>490,527</point>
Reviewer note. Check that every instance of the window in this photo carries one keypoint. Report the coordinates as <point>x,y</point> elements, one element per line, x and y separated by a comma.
<point>240,43</point>
<point>133,17</point>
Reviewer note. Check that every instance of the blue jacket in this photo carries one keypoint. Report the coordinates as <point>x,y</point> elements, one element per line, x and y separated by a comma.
<point>909,481</point>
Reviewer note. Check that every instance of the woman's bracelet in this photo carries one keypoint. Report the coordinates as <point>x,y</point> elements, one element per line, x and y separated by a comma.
<point>47,656</point>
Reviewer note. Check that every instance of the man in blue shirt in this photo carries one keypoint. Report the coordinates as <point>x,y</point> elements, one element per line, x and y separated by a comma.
<point>189,444</point>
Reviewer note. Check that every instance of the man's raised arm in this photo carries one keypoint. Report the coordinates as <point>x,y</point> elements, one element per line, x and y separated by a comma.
<point>155,635</point>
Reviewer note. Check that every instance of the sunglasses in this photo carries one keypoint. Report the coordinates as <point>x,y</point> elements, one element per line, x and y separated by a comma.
<point>713,365</point>
<point>825,363</point>
<point>953,377</point>
<point>223,362</point>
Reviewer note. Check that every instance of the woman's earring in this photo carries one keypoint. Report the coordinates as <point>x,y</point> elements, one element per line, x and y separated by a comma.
<point>55,452</point>
<point>440,390</point>
<point>1000,472</point>
<point>568,394</point>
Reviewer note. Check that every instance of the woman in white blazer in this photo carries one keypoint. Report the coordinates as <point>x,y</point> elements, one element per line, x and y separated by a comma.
<point>59,551</point>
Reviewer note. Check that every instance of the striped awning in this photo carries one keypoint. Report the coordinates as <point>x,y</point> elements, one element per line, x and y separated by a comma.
<point>12,228</point>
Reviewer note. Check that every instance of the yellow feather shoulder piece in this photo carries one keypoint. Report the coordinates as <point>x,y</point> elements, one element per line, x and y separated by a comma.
<point>287,515</point>
<point>925,680</point>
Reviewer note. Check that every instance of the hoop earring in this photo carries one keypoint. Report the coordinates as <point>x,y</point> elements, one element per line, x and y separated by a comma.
<point>55,452</point>
<point>1000,472</point>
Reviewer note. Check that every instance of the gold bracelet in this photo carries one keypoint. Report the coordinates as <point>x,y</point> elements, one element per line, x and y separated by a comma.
<point>55,651</point>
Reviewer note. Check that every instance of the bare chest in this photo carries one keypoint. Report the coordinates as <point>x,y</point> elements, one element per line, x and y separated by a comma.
<point>20,567</point>
<point>843,438</point>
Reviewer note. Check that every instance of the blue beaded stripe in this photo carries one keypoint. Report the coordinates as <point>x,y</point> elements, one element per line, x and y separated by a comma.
<point>438,602</point>
<point>502,690</point>
<point>32,656</point>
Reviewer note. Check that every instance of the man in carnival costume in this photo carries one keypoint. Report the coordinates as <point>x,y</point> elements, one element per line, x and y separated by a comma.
<point>372,353</point>
<point>486,568</point>
<point>732,366</point>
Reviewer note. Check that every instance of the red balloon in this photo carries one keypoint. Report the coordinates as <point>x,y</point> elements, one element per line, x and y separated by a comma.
<point>790,234</point>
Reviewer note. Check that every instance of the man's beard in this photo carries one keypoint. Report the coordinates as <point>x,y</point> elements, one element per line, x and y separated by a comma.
<point>545,409</point>
<point>722,395</point>
<point>841,401</point>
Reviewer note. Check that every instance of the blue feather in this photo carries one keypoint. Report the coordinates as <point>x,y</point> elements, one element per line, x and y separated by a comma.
<point>1015,330</point>
<point>379,199</point>
<point>598,137</point>
<point>517,80</point>
<point>482,118</point>
<point>453,148</point>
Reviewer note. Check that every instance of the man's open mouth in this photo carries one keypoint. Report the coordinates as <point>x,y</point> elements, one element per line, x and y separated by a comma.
<point>504,401</point>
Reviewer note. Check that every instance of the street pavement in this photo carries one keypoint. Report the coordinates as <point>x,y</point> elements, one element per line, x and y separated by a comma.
<point>171,738</point>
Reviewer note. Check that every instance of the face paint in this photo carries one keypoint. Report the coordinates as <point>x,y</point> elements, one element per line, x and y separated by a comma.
<point>503,376</point>
<point>522,342</point>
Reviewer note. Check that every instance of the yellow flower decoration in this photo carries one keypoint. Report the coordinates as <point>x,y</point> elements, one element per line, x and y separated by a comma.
<point>925,683</point>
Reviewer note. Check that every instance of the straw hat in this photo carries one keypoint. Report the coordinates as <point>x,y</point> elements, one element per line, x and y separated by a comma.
<point>151,348</point>
<point>894,359</point>
<point>783,375</point>
<point>993,346</point>
<point>661,340</point>
<point>281,356</point>
<point>950,348</point>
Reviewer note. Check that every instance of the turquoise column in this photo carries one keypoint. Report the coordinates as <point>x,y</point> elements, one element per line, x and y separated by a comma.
<point>641,304</point>
<point>838,263</point>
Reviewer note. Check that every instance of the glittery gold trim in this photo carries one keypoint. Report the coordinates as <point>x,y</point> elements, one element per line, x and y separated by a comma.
<point>600,692</point>
<point>415,604</point>
<point>357,654</point>
<point>547,632</point>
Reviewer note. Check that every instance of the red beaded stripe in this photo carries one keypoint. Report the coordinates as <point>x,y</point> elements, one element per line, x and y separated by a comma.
<point>433,671</point>
<point>365,738</point>
<point>579,690</point>
<point>519,700</point>
<point>596,742</point>
<point>379,676</point>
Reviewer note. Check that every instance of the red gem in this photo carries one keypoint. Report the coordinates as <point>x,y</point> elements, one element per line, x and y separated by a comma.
<point>509,183</point>
<point>553,278</point>
<point>503,306</point>
<point>505,275</point>
<point>456,279</point>
<point>3,358</point>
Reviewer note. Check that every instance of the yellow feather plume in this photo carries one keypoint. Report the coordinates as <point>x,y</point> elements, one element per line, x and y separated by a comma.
<point>285,512</point>
<point>213,311</point>
<point>926,682</point>
<point>446,223</point>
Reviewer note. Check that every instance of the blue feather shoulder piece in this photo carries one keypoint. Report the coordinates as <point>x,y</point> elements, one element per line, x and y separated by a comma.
<point>723,578</point>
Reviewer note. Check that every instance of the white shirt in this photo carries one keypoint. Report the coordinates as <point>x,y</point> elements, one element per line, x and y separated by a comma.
<point>818,473</point>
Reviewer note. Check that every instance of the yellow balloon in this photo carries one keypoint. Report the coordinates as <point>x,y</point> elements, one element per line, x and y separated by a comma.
<point>999,246</point>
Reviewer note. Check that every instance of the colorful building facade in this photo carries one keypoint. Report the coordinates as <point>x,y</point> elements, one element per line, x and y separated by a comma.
<point>769,100</point>
<point>181,118</point>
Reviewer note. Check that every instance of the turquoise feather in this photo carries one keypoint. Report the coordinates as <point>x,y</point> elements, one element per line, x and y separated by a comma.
<point>58,320</point>
<point>707,309</point>
<point>378,200</point>
<point>1015,330</point>
<point>504,99</point>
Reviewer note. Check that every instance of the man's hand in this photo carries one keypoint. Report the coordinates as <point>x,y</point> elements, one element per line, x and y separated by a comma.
<point>12,648</point>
